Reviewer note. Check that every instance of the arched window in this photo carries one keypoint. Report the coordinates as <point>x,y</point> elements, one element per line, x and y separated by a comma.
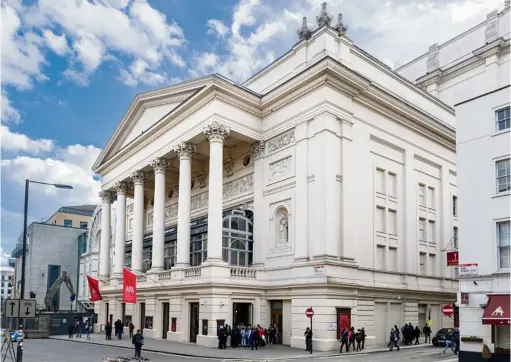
<point>237,241</point>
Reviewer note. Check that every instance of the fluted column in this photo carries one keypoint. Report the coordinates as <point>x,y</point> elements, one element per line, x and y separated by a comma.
<point>216,134</point>
<point>185,151</point>
<point>104,252</point>
<point>160,166</point>
<point>137,246</point>
<point>259,208</point>
<point>120,231</point>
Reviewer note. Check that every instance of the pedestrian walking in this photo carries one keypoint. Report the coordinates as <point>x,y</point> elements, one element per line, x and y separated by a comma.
<point>363,336</point>
<point>456,340</point>
<point>138,342</point>
<point>344,340</point>
<point>108,331</point>
<point>418,333</point>
<point>79,329</point>
<point>393,339</point>
<point>448,341</point>
<point>427,333</point>
<point>87,330</point>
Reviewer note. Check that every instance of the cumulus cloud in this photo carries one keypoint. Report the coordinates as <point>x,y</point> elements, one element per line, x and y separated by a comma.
<point>217,27</point>
<point>17,142</point>
<point>9,114</point>
<point>57,43</point>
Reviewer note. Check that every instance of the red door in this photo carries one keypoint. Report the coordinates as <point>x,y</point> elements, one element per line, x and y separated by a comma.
<point>343,320</point>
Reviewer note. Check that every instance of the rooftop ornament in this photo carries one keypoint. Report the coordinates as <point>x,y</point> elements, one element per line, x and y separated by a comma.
<point>341,28</point>
<point>324,18</point>
<point>304,32</point>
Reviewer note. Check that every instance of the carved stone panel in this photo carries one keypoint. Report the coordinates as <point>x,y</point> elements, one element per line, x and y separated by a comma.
<point>199,201</point>
<point>280,141</point>
<point>239,186</point>
<point>281,169</point>
<point>170,211</point>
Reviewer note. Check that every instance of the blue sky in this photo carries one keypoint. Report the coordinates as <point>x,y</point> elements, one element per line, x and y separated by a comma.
<point>70,69</point>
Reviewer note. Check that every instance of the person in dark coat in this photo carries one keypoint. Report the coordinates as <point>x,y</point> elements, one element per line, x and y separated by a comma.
<point>131,329</point>
<point>427,333</point>
<point>138,342</point>
<point>222,337</point>
<point>344,340</point>
<point>363,336</point>
<point>417,334</point>
<point>108,331</point>
<point>70,330</point>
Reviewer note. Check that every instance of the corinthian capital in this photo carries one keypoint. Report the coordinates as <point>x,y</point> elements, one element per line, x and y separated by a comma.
<point>258,149</point>
<point>138,177</point>
<point>216,132</point>
<point>185,150</point>
<point>121,188</point>
<point>105,196</point>
<point>160,165</point>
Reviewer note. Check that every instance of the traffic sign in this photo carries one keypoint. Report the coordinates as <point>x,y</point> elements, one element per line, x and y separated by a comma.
<point>12,307</point>
<point>27,308</point>
<point>447,310</point>
<point>309,312</point>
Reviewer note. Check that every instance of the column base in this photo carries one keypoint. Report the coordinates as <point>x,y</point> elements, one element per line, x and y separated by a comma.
<point>155,271</point>
<point>180,266</point>
<point>214,261</point>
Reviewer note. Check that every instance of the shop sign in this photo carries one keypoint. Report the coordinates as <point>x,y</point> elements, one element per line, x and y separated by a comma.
<point>468,269</point>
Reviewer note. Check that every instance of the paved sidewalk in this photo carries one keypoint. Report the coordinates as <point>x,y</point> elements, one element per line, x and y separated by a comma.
<point>273,353</point>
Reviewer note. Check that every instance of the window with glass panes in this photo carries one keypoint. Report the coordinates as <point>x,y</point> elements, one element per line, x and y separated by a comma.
<point>503,175</point>
<point>503,239</point>
<point>237,241</point>
<point>169,254</point>
<point>127,259</point>
<point>198,249</point>
<point>503,119</point>
<point>147,256</point>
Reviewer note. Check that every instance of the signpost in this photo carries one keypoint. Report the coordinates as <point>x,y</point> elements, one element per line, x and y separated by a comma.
<point>309,313</point>
<point>447,310</point>
<point>12,307</point>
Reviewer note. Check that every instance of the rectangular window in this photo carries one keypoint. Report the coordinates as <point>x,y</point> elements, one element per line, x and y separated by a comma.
<point>422,263</point>
<point>198,249</point>
<point>148,323</point>
<point>147,259</point>
<point>431,197</point>
<point>454,206</point>
<point>422,229</point>
<point>392,222</point>
<point>421,194</point>
<point>392,259</point>
<point>392,184</point>
<point>503,117</point>
<point>431,266</point>
<point>380,219</point>
<point>68,222</point>
<point>503,239</point>
<point>380,180</point>
<point>169,255</point>
<point>83,224</point>
<point>455,237</point>
<point>503,175</point>
<point>380,257</point>
<point>431,232</point>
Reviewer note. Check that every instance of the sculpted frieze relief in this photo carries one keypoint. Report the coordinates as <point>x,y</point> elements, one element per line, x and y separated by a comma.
<point>281,168</point>
<point>239,186</point>
<point>170,211</point>
<point>200,200</point>
<point>280,141</point>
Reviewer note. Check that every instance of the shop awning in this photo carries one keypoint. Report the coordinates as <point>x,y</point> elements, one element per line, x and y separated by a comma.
<point>497,310</point>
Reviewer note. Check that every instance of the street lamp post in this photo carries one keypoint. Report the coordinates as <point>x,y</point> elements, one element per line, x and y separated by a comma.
<point>25,216</point>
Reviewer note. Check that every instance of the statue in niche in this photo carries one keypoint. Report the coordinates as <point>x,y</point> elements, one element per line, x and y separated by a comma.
<point>284,230</point>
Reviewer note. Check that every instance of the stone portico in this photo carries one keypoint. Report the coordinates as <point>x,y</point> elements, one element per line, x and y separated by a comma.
<point>323,181</point>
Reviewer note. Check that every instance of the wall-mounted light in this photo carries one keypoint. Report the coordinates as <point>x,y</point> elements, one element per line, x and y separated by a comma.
<point>483,306</point>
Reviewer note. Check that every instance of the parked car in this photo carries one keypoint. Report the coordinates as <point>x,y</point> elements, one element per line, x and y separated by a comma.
<point>439,338</point>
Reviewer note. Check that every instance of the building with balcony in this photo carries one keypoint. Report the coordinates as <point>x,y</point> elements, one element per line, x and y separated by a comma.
<point>326,180</point>
<point>471,72</point>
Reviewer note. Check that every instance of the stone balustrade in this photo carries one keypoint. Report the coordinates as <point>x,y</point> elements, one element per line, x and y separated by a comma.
<point>166,275</point>
<point>243,273</point>
<point>192,273</point>
<point>141,278</point>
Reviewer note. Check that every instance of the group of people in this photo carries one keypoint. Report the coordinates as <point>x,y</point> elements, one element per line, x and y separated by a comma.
<point>79,327</point>
<point>118,328</point>
<point>247,336</point>
<point>452,340</point>
<point>349,337</point>
<point>411,335</point>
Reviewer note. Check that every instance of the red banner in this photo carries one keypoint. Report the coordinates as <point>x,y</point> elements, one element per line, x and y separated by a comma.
<point>129,287</point>
<point>452,258</point>
<point>95,295</point>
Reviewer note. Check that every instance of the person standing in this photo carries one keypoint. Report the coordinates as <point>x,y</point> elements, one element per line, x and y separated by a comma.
<point>70,330</point>
<point>363,336</point>
<point>138,342</point>
<point>427,333</point>
<point>417,334</point>
<point>448,341</point>
<point>255,338</point>
<point>78,329</point>
<point>108,331</point>
<point>87,330</point>
<point>131,329</point>
<point>344,340</point>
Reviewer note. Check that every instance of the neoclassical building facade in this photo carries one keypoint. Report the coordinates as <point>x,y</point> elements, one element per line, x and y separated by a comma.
<point>323,181</point>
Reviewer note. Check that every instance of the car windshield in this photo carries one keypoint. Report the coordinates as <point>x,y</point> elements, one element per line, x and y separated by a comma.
<point>442,331</point>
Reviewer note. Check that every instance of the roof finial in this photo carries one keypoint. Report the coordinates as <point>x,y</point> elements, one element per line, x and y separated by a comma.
<point>304,32</point>
<point>341,28</point>
<point>323,18</point>
<point>507,3</point>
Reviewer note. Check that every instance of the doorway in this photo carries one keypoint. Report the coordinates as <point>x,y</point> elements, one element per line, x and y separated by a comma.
<point>107,310</point>
<point>142,317</point>
<point>242,314</point>
<point>276,317</point>
<point>165,322</point>
<point>194,322</point>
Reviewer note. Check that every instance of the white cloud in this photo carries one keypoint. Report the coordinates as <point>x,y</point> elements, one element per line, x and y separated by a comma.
<point>9,114</point>
<point>90,51</point>
<point>217,27</point>
<point>70,165</point>
<point>4,257</point>
<point>138,73</point>
<point>17,142</point>
<point>57,43</point>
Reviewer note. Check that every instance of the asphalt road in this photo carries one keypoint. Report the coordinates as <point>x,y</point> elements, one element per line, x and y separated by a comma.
<point>63,351</point>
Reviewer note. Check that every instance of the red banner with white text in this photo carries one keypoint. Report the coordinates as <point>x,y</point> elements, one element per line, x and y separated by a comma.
<point>95,295</point>
<point>129,287</point>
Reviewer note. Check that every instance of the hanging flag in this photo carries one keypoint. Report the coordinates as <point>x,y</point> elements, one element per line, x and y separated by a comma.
<point>129,286</point>
<point>95,295</point>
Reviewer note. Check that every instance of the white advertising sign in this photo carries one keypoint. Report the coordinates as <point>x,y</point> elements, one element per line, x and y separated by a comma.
<point>468,269</point>
<point>319,270</point>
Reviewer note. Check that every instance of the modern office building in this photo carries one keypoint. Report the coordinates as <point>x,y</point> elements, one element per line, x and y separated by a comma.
<point>326,180</point>
<point>471,72</point>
